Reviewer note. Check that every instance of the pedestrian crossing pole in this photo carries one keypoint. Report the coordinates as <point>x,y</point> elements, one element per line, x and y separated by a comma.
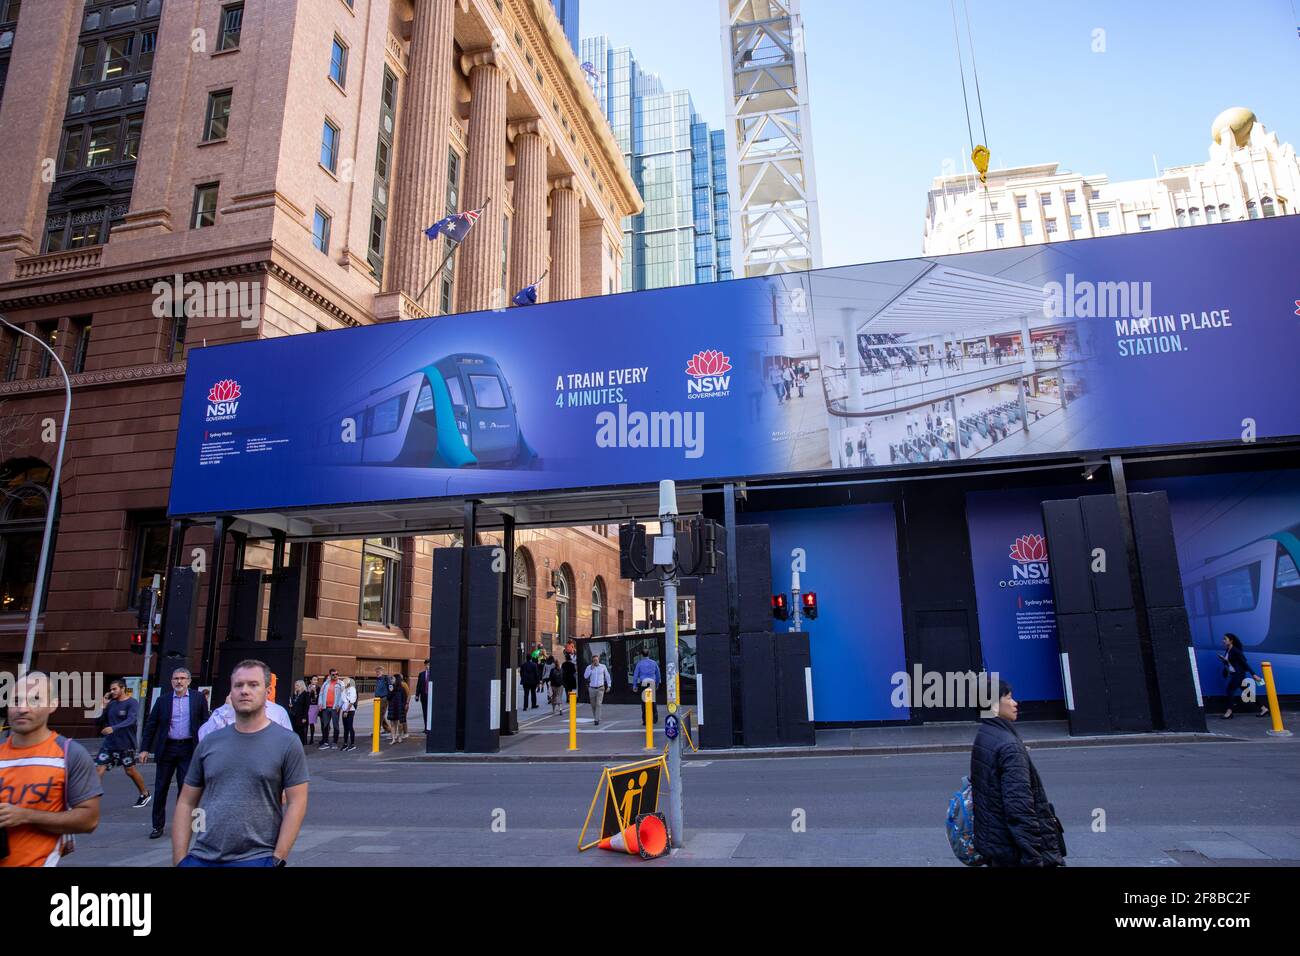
<point>374,730</point>
<point>665,556</point>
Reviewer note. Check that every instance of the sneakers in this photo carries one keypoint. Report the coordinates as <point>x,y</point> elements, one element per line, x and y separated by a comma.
<point>142,800</point>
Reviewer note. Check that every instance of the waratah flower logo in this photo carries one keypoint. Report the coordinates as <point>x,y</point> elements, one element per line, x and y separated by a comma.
<point>226,390</point>
<point>708,362</point>
<point>1029,548</point>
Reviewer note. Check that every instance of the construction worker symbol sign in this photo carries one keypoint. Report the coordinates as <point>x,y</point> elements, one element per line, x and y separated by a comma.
<point>629,791</point>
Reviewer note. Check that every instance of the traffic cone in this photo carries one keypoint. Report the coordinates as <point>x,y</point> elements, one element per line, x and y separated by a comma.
<point>647,835</point>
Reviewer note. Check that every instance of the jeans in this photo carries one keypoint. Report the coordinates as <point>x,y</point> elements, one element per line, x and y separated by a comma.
<point>597,696</point>
<point>329,717</point>
<point>191,860</point>
<point>349,734</point>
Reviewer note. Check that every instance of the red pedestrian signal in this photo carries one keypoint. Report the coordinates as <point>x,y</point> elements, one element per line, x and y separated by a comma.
<point>137,642</point>
<point>780,607</point>
<point>810,605</point>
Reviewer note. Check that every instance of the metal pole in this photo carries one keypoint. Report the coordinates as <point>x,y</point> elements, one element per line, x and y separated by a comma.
<point>667,512</point>
<point>144,671</point>
<point>38,593</point>
<point>795,616</point>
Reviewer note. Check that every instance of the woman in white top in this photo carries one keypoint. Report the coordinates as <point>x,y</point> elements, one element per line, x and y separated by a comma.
<point>348,709</point>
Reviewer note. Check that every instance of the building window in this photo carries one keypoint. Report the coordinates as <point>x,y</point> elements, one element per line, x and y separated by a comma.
<point>597,609</point>
<point>205,206</point>
<point>1069,195</point>
<point>1000,230</point>
<point>1051,226</point>
<point>232,23</point>
<point>1266,204</point>
<point>381,565</point>
<point>1076,224</point>
<point>1211,214</point>
<point>148,555</point>
<point>1144,222</point>
<point>1103,220</point>
<point>339,62</point>
<point>217,122</point>
<point>1046,198</point>
<point>15,350</point>
<point>26,497</point>
<point>1224,211</point>
<point>83,344</point>
<point>1181,216</point>
<point>102,146</point>
<point>49,333</point>
<point>563,619</point>
<point>117,58</point>
<point>148,44</point>
<point>1021,202</point>
<point>1194,215</point>
<point>320,232</point>
<point>134,130</point>
<point>11,8</point>
<point>176,347</point>
<point>993,206</point>
<point>1096,194</point>
<point>329,147</point>
<point>1026,229</point>
<point>377,241</point>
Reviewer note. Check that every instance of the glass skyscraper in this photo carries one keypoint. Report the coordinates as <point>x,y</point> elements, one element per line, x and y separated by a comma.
<point>567,11</point>
<point>683,235</point>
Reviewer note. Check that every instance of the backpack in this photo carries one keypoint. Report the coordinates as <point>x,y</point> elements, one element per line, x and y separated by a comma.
<point>961,825</point>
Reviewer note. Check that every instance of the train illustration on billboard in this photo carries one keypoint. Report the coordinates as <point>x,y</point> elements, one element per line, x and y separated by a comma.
<point>1252,591</point>
<point>458,412</point>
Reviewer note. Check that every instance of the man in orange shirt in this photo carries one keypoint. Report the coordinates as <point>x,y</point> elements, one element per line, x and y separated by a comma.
<point>48,785</point>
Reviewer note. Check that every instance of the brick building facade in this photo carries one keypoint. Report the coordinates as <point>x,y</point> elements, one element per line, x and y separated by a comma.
<point>286,157</point>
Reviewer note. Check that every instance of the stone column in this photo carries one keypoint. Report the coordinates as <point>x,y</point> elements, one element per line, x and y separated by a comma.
<point>566,269</point>
<point>529,247</point>
<point>420,181</point>
<point>485,178</point>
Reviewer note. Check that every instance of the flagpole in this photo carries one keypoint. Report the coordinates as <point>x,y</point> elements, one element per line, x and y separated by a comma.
<point>450,252</point>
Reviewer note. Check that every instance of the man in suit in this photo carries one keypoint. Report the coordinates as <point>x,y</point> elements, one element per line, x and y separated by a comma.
<point>171,733</point>
<point>422,689</point>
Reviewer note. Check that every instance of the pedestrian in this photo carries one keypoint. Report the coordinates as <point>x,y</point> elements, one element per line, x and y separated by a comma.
<point>52,776</point>
<point>171,732</point>
<point>349,712</point>
<point>778,384</point>
<point>548,667</point>
<point>787,376</point>
<point>117,748</point>
<point>1014,823</point>
<point>422,689</point>
<point>382,685</point>
<point>569,673</point>
<point>250,780</point>
<point>398,698</point>
<point>313,708</point>
<point>556,696</point>
<point>1235,670</point>
<point>598,682</point>
<point>225,715</point>
<point>646,674</point>
<point>298,706</point>
<point>529,675</point>
<point>330,701</point>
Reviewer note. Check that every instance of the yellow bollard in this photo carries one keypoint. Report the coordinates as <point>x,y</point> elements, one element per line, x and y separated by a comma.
<point>1273,709</point>
<point>374,732</point>
<point>573,721</point>
<point>649,695</point>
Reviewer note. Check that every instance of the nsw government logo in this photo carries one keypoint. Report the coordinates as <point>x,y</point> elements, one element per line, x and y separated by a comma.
<point>708,378</point>
<point>1029,554</point>
<point>223,400</point>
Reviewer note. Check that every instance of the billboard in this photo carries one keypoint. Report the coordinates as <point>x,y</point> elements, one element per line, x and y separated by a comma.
<point>1181,336</point>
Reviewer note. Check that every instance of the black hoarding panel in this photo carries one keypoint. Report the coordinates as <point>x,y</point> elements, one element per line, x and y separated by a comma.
<point>1067,550</point>
<point>1121,657</point>
<point>758,690</point>
<point>482,704</point>
<point>1171,645</point>
<point>1085,685</point>
<point>1107,554</point>
<point>444,684</point>
<point>754,576</point>
<point>713,667</point>
<point>1157,553</point>
<point>793,678</point>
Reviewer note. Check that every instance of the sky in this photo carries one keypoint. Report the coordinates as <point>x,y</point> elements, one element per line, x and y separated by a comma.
<point>886,94</point>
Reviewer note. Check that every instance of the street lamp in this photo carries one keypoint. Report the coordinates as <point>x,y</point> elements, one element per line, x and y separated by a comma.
<point>30,646</point>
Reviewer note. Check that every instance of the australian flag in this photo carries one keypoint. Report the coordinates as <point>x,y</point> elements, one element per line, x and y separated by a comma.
<point>528,294</point>
<point>456,226</point>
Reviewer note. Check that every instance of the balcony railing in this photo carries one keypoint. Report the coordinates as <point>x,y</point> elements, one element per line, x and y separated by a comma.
<point>54,263</point>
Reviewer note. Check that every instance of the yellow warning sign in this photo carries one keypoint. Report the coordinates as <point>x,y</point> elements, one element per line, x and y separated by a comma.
<point>629,790</point>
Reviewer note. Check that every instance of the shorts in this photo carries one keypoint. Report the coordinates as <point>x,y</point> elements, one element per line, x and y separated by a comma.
<point>114,758</point>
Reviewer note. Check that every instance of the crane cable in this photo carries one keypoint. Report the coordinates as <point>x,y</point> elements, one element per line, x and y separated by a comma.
<point>979,154</point>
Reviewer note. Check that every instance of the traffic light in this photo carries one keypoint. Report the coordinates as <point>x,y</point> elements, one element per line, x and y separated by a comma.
<point>810,605</point>
<point>780,607</point>
<point>137,642</point>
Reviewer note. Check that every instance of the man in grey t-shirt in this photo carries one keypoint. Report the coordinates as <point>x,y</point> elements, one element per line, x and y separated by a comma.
<point>251,779</point>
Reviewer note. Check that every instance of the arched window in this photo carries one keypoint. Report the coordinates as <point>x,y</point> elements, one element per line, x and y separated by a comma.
<point>1211,214</point>
<point>25,484</point>
<point>1182,217</point>
<point>1224,211</point>
<point>1195,215</point>
<point>1267,204</point>
<point>597,608</point>
<point>381,581</point>
<point>521,596</point>
<point>1252,210</point>
<point>563,611</point>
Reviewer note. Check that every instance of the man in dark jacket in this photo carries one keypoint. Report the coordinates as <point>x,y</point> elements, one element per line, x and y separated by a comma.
<point>171,732</point>
<point>1014,823</point>
<point>530,675</point>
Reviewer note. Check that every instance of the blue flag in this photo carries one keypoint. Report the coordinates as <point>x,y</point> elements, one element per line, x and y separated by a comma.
<point>456,226</point>
<point>528,294</point>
